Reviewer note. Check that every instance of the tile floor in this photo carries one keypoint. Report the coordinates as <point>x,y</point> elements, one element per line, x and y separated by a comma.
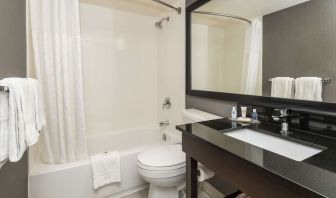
<point>202,194</point>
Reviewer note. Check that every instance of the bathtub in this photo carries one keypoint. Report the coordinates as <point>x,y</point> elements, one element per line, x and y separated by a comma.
<point>74,180</point>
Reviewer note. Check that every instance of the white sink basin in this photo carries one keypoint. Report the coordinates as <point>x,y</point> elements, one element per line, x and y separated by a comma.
<point>274,144</point>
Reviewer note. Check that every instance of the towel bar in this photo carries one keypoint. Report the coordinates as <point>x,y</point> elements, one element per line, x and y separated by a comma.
<point>323,80</point>
<point>3,89</point>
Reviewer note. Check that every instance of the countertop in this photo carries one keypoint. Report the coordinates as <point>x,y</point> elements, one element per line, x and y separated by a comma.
<point>316,173</point>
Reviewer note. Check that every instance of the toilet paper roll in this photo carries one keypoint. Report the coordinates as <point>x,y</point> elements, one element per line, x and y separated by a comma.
<point>204,173</point>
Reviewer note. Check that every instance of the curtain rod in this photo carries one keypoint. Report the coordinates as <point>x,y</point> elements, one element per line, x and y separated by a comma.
<point>3,89</point>
<point>224,15</point>
<point>178,10</point>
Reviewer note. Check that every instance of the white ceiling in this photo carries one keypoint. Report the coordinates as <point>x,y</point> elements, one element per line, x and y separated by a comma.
<point>146,7</point>
<point>249,8</point>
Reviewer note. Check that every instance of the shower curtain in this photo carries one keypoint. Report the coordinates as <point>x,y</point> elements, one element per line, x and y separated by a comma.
<point>252,58</point>
<point>54,32</point>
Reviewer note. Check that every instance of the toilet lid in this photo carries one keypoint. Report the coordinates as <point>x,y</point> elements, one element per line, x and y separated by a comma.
<point>164,156</point>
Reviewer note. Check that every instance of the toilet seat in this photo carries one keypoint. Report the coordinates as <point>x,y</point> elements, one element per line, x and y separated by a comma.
<point>161,168</point>
<point>162,162</point>
<point>161,174</point>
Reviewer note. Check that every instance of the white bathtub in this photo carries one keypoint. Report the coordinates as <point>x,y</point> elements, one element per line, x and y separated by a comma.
<point>74,180</point>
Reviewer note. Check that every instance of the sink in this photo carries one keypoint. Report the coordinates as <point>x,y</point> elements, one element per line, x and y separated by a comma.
<point>274,144</point>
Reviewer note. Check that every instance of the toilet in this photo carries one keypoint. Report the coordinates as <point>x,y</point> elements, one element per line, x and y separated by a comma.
<point>164,167</point>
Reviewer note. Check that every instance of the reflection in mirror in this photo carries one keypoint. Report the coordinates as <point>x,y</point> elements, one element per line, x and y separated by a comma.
<point>272,48</point>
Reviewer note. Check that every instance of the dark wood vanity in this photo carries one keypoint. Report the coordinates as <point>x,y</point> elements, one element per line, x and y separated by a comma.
<point>270,175</point>
<point>295,44</point>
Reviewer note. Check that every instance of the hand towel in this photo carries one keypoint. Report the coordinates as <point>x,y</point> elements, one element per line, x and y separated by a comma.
<point>105,169</point>
<point>282,87</point>
<point>308,88</point>
<point>32,110</point>
<point>15,130</point>
<point>25,116</point>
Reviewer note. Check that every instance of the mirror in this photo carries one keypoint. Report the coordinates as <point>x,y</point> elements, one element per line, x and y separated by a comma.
<point>273,48</point>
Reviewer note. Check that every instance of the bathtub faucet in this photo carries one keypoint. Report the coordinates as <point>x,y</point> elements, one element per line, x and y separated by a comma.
<point>164,123</point>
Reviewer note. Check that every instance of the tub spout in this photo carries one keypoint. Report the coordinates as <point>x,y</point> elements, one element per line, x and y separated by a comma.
<point>164,123</point>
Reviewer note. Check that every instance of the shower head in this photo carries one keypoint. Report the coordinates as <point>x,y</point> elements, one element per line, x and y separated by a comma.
<point>159,23</point>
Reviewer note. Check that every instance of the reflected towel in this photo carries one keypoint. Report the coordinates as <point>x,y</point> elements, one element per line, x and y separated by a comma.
<point>282,87</point>
<point>308,88</point>
<point>105,169</point>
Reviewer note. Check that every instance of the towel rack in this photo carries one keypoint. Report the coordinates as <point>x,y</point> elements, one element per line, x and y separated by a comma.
<point>3,89</point>
<point>323,80</point>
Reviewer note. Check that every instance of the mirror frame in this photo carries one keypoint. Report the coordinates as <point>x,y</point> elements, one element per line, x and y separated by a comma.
<point>321,108</point>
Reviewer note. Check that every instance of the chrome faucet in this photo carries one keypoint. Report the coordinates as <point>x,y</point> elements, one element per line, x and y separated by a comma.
<point>283,118</point>
<point>167,103</point>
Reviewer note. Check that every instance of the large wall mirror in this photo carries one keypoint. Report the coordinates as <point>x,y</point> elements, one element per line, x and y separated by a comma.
<point>280,49</point>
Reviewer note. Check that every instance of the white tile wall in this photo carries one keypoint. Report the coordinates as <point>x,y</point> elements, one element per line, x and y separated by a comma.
<point>171,63</point>
<point>120,57</point>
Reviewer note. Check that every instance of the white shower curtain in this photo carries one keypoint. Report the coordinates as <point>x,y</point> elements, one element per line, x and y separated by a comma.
<point>54,32</point>
<point>252,57</point>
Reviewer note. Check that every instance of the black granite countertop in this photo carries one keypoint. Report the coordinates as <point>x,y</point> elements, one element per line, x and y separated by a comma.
<point>316,173</point>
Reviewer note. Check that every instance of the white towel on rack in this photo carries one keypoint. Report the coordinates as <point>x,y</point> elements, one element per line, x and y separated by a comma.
<point>25,117</point>
<point>105,169</point>
<point>308,88</point>
<point>282,87</point>
<point>3,127</point>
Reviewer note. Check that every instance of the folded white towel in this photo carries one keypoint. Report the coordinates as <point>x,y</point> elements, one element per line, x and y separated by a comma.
<point>24,117</point>
<point>282,87</point>
<point>105,169</point>
<point>308,88</point>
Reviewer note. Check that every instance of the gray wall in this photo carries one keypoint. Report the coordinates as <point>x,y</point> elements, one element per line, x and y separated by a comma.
<point>300,41</point>
<point>13,176</point>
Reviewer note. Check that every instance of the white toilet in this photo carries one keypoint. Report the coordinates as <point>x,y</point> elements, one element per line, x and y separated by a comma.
<point>164,167</point>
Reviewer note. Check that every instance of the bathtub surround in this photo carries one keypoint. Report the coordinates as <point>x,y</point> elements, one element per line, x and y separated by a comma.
<point>55,32</point>
<point>136,85</point>
<point>119,51</point>
<point>171,66</point>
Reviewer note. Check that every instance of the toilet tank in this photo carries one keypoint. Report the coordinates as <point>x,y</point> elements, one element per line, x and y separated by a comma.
<point>195,115</point>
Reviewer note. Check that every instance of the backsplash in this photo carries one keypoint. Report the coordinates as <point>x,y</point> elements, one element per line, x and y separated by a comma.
<point>316,123</point>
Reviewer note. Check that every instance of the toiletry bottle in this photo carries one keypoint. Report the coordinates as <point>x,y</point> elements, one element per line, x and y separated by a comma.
<point>243,111</point>
<point>254,116</point>
<point>234,113</point>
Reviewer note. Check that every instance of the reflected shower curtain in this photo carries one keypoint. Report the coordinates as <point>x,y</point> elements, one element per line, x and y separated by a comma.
<point>252,57</point>
<point>54,31</point>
